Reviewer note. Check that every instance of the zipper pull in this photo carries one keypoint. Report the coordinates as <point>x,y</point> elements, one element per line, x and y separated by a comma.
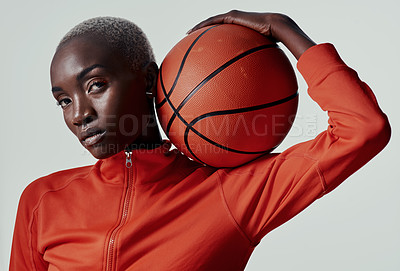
<point>128,161</point>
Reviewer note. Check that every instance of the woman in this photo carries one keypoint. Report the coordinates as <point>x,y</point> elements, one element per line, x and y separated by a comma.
<point>145,207</point>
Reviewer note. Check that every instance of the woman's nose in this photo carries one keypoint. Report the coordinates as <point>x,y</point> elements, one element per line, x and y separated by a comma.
<point>83,113</point>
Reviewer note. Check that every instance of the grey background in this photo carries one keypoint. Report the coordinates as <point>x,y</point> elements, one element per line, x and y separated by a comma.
<point>356,227</point>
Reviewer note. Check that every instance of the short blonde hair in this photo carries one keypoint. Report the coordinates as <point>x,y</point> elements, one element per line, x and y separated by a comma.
<point>121,34</point>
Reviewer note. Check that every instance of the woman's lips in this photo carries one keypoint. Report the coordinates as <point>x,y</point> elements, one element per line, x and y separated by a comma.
<point>93,139</point>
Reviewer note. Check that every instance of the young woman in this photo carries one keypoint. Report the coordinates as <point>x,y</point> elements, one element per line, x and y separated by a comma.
<point>143,206</point>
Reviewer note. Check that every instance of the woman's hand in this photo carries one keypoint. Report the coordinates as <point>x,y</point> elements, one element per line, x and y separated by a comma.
<point>277,27</point>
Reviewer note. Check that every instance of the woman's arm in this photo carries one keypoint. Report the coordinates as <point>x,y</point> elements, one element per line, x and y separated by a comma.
<point>278,27</point>
<point>24,253</point>
<point>270,190</point>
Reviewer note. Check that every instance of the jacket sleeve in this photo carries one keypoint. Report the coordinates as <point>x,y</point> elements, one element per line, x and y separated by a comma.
<point>24,253</point>
<point>267,192</point>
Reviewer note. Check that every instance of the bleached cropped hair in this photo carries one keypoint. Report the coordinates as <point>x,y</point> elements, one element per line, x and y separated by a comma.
<point>121,34</point>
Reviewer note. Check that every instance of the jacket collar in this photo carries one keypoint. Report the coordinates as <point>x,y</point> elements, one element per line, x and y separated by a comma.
<point>148,165</point>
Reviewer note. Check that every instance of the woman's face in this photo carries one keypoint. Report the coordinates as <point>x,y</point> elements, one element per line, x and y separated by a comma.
<point>103,101</point>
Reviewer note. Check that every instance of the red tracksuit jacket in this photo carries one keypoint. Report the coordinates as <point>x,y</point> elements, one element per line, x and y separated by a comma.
<point>167,212</point>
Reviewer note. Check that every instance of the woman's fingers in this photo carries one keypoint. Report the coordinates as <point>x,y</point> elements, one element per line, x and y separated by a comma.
<point>218,19</point>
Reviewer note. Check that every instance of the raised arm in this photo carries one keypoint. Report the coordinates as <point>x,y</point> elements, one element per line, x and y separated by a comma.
<point>267,192</point>
<point>278,27</point>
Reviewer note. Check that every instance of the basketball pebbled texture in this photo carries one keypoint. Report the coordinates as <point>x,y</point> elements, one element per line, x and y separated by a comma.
<point>226,95</point>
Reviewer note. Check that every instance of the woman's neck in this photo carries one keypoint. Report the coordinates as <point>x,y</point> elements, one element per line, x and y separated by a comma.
<point>150,139</point>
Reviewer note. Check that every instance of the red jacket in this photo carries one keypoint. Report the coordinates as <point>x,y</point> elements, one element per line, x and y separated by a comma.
<point>167,212</point>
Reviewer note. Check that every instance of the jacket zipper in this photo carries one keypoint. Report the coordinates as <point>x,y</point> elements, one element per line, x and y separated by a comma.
<point>125,210</point>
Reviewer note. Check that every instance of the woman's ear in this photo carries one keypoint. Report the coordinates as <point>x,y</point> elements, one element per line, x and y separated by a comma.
<point>151,71</point>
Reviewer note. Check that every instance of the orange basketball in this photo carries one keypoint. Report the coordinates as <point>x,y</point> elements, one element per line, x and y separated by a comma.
<point>226,95</point>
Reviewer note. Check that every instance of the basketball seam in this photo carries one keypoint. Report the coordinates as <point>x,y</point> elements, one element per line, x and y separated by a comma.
<point>181,67</point>
<point>212,75</point>
<point>240,110</point>
<point>243,109</point>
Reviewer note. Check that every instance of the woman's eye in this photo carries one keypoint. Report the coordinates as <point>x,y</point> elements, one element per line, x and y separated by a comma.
<point>64,102</point>
<point>95,85</point>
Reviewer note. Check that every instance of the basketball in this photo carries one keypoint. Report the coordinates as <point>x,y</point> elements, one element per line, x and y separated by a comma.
<point>226,95</point>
